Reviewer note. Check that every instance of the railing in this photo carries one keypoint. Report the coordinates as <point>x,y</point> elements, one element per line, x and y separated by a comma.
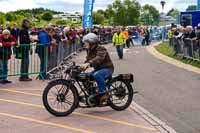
<point>37,59</point>
<point>187,48</point>
<point>32,59</point>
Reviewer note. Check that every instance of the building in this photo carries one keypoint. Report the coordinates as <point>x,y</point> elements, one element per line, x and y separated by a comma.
<point>75,18</point>
<point>166,18</point>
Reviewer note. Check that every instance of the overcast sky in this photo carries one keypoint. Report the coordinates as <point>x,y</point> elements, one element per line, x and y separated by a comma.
<point>77,5</point>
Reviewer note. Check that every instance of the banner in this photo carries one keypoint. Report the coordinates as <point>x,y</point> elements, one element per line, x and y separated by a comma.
<point>87,16</point>
<point>198,7</point>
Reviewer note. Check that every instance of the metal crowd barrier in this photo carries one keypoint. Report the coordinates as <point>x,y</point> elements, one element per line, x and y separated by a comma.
<point>187,48</point>
<point>33,59</point>
<point>21,60</point>
<point>105,38</point>
<point>36,59</point>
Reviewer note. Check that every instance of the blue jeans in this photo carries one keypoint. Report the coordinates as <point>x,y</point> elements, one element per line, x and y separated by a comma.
<point>120,51</point>
<point>100,76</point>
<point>3,69</point>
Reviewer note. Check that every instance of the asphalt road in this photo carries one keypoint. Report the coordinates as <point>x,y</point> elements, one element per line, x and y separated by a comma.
<point>170,93</point>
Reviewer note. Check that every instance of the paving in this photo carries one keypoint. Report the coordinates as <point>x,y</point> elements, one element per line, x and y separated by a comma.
<point>22,111</point>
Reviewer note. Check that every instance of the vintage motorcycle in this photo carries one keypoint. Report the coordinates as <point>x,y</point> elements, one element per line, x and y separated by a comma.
<point>62,96</point>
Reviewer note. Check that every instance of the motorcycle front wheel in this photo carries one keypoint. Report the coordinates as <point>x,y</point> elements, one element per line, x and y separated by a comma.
<point>60,98</point>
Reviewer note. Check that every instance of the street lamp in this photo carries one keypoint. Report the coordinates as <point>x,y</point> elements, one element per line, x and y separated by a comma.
<point>163,5</point>
<point>163,17</point>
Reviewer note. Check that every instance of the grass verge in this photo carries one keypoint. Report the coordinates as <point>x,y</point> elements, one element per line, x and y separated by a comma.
<point>167,50</point>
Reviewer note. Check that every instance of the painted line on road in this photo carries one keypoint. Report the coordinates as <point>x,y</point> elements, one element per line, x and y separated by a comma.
<point>45,123</point>
<point>21,92</point>
<point>149,117</point>
<point>85,115</point>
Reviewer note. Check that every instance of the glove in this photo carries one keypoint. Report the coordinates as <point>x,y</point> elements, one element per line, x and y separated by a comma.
<point>85,66</point>
<point>1,44</point>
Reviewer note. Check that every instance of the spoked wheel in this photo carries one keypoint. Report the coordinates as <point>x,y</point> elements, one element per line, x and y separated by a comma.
<point>121,95</point>
<point>60,98</point>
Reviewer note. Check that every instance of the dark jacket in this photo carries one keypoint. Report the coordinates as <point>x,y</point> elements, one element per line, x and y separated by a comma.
<point>99,58</point>
<point>24,37</point>
<point>5,50</point>
<point>15,33</point>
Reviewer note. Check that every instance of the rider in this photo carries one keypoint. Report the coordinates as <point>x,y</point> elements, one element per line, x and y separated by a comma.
<point>98,58</point>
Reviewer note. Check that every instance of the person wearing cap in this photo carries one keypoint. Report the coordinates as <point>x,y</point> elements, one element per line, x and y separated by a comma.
<point>98,58</point>
<point>25,40</point>
<point>6,42</point>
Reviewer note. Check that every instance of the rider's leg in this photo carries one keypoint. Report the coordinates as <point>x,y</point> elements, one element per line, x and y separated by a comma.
<point>99,77</point>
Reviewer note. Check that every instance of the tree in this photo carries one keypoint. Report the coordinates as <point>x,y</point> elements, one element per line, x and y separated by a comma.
<point>124,12</point>
<point>170,11</point>
<point>174,13</point>
<point>9,17</point>
<point>1,19</point>
<point>101,12</point>
<point>61,22</point>
<point>150,15</point>
<point>191,8</point>
<point>47,16</point>
<point>98,18</point>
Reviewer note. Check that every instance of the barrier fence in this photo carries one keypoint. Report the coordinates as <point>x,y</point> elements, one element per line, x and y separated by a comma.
<point>36,59</point>
<point>32,59</point>
<point>186,48</point>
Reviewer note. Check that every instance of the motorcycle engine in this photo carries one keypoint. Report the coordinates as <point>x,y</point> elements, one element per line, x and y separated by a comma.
<point>92,100</point>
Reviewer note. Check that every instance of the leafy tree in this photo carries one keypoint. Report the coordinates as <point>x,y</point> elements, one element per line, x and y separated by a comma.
<point>174,13</point>
<point>191,8</point>
<point>125,12</point>
<point>9,17</point>
<point>47,16</point>
<point>61,22</point>
<point>101,12</point>
<point>150,15</point>
<point>1,20</point>
<point>98,18</point>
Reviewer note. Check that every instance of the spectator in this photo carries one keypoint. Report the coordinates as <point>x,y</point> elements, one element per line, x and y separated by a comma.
<point>175,35</point>
<point>6,42</point>
<point>15,31</point>
<point>44,41</point>
<point>24,39</point>
<point>130,37</point>
<point>198,39</point>
<point>170,35</point>
<point>192,36</point>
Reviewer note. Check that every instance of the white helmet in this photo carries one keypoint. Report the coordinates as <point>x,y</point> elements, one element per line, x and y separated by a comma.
<point>91,38</point>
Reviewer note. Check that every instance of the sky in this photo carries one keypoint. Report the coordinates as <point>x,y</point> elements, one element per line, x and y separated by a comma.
<point>77,5</point>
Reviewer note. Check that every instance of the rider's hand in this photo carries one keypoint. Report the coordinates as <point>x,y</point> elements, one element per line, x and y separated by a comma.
<point>1,44</point>
<point>85,66</point>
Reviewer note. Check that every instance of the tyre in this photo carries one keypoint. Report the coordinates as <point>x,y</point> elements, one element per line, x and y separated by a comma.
<point>60,98</point>
<point>121,95</point>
